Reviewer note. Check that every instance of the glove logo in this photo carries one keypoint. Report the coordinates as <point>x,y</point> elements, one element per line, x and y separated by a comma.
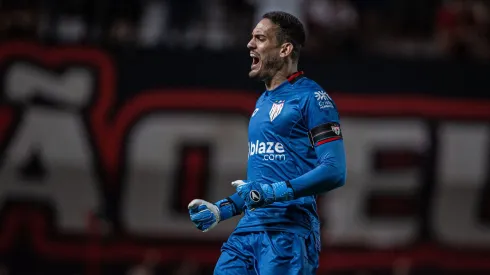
<point>255,195</point>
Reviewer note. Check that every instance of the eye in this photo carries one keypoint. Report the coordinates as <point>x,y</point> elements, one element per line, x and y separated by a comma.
<point>260,37</point>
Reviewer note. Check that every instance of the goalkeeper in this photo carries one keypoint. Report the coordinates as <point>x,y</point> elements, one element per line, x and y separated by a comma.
<point>296,152</point>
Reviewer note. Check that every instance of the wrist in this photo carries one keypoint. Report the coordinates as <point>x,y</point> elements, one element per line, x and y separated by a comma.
<point>226,209</point>
<point>283,191</point>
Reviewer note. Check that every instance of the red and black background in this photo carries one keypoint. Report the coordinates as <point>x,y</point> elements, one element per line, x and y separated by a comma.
<point>132,83</point>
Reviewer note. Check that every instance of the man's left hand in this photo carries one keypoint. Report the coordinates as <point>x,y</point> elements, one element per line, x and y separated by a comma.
<point>258,195</point>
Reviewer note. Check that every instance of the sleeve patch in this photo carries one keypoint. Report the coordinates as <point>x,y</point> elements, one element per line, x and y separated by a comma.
<point>324,133</point>
<point>323,99</point>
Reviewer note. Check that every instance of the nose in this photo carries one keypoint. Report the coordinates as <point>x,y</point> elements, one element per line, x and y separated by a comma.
<point>251,44</point>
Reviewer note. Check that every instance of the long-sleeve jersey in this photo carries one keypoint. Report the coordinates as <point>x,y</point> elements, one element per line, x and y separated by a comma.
<point>294,129</point>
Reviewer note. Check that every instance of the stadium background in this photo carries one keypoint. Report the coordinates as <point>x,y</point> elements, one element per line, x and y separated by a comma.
<point>115,114</point>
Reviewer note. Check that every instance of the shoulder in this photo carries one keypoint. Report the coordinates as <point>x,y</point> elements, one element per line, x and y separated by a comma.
<point>311,92</point>
<point>308,87</point>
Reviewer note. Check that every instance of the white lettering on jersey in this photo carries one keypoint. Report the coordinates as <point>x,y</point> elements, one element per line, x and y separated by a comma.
<point>324,100</point>
<point>269,150</point>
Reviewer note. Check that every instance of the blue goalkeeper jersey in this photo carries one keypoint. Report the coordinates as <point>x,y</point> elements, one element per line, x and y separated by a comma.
<point>279,149</point>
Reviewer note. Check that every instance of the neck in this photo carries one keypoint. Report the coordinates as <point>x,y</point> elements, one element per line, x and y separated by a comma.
<point>280,76</point>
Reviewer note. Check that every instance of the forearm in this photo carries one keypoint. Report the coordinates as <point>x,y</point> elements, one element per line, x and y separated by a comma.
<point>323,178</point>
<point>328,175</point>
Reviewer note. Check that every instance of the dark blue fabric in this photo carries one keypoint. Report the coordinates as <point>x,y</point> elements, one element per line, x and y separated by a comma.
<point>328,175</point>
<point>268,253</point>
<point>280,150</point>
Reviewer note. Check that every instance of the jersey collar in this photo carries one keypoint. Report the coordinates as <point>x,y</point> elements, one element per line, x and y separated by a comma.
<point>295,77</point>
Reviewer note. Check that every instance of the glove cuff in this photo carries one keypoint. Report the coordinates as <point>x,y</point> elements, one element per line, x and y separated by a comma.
<point>282,191</point>
<point>226,209</point>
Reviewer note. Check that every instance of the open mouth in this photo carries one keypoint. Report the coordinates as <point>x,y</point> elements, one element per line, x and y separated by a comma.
<point>255,60</point>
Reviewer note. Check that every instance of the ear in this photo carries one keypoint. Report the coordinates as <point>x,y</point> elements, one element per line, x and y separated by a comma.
<point>286,49</point>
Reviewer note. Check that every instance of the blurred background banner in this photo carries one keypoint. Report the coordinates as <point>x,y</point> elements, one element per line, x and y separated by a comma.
<point>115,115</point>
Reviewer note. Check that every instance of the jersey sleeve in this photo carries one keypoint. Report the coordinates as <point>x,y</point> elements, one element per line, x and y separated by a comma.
<point>321,118</point>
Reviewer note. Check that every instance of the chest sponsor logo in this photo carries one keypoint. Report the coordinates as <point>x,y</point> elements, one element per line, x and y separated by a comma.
<point>268,150</point>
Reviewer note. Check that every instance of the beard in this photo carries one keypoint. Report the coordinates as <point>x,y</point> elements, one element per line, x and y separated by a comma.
<point>270,65</point>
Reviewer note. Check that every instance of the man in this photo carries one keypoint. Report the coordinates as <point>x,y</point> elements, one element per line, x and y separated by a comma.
<point>296,152</point>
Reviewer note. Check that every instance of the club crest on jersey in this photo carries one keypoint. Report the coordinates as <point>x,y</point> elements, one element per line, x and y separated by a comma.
<point>276,109</point>
<point>336,130</point>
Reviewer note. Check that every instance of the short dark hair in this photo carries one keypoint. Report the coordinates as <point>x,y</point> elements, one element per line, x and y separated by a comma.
<point>290,30</point>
